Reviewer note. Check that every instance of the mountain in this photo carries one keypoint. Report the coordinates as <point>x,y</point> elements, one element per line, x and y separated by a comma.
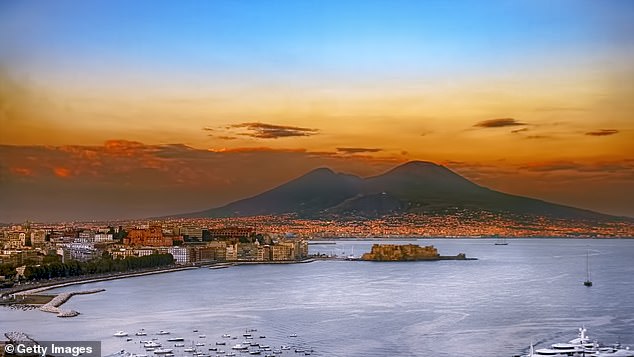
<point>306,195</point>
<point>414,187</point>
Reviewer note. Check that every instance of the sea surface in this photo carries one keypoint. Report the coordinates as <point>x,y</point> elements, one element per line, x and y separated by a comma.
<point>528,291</point>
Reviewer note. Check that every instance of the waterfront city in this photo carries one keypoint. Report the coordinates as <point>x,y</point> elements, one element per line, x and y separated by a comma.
<point>316,178</point>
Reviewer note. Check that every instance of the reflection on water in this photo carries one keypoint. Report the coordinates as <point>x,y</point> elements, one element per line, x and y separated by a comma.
<point>531,289</point>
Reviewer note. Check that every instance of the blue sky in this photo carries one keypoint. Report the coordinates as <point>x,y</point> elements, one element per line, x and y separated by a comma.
<point>307,37</point>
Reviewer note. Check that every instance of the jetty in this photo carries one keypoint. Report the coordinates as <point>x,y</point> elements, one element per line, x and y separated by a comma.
<point>53,305</point>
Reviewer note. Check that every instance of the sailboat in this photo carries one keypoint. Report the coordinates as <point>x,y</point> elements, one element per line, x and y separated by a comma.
<point>588,282</point>
<point>351,256</point>
<point>501,241</point>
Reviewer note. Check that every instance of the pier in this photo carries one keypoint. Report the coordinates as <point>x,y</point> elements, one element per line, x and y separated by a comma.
<point>53,305</point>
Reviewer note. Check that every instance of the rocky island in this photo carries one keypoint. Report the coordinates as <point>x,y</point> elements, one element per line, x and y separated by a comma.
<point>407,252</point>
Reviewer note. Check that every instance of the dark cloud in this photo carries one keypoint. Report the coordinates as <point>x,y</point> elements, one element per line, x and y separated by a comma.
<point>272,131</point>
<point>498,123</point>
<point>357,150</point>
<point>602,132</point>
<point>538,137</point>
<point>550,166</point>
<point>519,130</point>
<point>623,167</point>
<point>208,129</point>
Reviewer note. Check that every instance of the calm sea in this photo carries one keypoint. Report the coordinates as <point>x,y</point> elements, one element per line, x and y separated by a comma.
<point>529,290</point>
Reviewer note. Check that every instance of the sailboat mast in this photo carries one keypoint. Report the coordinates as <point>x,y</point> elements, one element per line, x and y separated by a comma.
<point>587,282</point>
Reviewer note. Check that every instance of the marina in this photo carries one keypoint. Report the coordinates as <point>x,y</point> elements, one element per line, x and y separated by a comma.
<point>144,348</point>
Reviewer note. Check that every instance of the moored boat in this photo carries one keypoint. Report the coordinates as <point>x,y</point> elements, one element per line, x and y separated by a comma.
<point>162,351</point>
<point>582,346</point>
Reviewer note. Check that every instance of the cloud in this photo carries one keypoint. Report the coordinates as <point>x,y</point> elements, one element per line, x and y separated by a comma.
<point>602,132</point>
<point>222,137</point>
<point>519,130</point>
<point>626,166</point>
<point>272,131</point>
<point>129,179</point>
<point>498,123</point>
<point>255,149</point>
<point>61,172</point>
<point>357,150</point>
<point>21,171</point>
<point>208,129</point>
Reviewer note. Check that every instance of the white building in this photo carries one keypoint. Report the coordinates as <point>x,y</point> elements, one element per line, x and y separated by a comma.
<point>181,255</point>
<point>103,237</point>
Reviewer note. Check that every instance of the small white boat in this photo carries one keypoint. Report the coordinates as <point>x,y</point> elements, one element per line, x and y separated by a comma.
<point>293,335</point>
<point>162,351</point>
<point>240,347</point>
<point>285,348</point>
<point>179,345</point>
<point>226,336</point>
<point>199,344</point>
<point>141,332</point>
<point>120,334</point>
<point>151,344</point>
<point>220,343</point>
<point>162,332</point>
<point>175,339</point>
<point>202,336</point>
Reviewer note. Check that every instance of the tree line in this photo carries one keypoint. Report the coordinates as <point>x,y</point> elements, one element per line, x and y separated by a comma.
<point>96,266</point>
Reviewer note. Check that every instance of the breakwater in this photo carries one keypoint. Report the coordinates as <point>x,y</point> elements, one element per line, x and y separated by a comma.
<point>53,305</point>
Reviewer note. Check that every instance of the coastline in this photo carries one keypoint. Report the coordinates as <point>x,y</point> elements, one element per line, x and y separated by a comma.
<point>28,290</point>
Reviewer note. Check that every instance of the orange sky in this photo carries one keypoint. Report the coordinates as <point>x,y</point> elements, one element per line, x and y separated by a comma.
<point>538,102</point>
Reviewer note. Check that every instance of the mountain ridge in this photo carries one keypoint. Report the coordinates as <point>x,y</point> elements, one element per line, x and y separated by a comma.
<point>419,187</point>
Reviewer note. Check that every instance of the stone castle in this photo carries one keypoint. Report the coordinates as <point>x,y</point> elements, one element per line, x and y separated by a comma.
<point>394,252</point>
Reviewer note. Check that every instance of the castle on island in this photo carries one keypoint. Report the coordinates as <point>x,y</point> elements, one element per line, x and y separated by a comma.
<point>406,252</point>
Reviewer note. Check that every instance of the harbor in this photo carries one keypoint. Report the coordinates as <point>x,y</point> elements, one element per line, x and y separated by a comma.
<point>344,308</point>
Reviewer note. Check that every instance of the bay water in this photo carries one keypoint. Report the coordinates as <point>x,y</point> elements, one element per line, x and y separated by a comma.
<point>530,290</point>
